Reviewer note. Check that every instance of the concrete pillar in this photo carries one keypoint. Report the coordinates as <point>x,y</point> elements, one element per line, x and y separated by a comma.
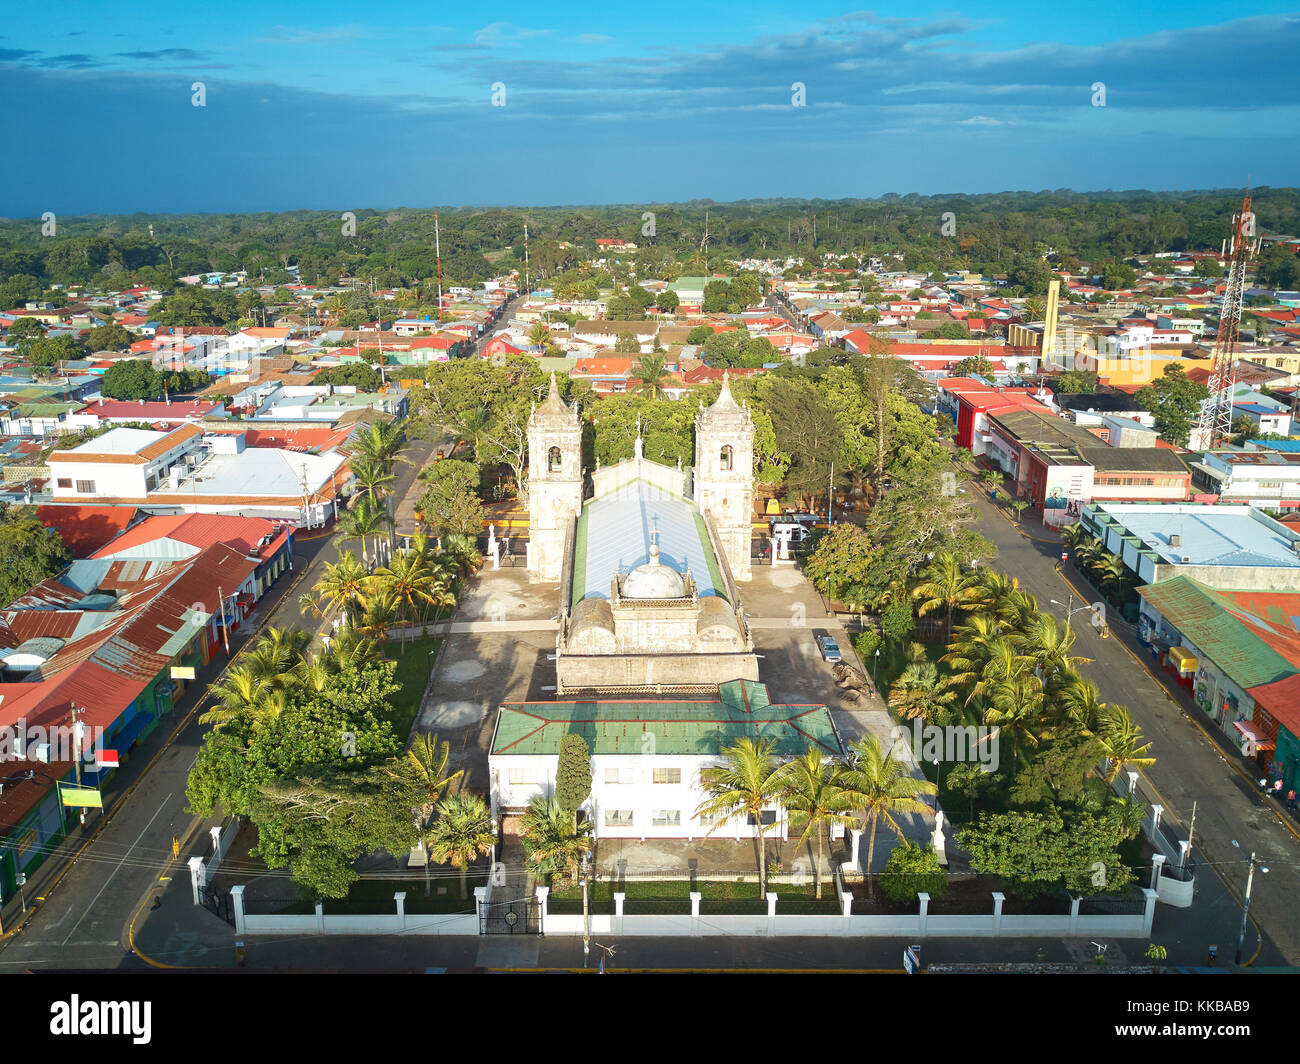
<point>1156,867</point>
<point>1148,913</point>
<point>855,845</point>
<point>1156,811</point>
<point>846,904</point>
<point>542,893</point>
<point>215,832</point>
<point>1132,782</point>
<point>198,878</point>
<point>480,899</point>
<point>1074,913</point>
<point>237,900</point>
<point>998,899</point>
<point>1184,851</point>
<point>924,917</point>
<point>771,912</point>
<point>695,909</point>
<point>619,898</point>
<point>400,898</point>
<point>320,917</point>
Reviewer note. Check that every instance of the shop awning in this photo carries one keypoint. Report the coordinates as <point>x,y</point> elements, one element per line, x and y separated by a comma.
<point>1250,730</point>
<point>1183,659</point>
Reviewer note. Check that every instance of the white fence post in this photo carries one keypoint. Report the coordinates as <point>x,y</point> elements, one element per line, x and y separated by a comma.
<point>619,898</point>
<point>846,904</point>
<point>855,842</point>
<point>542,893</point>
<point>1149,912</point>
<point>998,899</point>
<point>215,833</point>
<point>925,912</point>
<point>237,900</point>
<point>771,912</point>
<point>695,911</point>
<point>1156,810</point>
<point>198,878</point>
<point>1157,869</point>
<point>320,917</point>
<point>400,898</point>
<point>1075,899</point>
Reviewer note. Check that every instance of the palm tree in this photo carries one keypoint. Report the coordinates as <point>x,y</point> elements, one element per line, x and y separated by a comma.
<point>1122,742</point>
<point>245,692</point>
<point>650,373</point>
<point>921,692</point>
<point>746,783</point>
<point>426,760</point>
<point>462,832</point>
<point>883,789</point>
<point>1018,707</point>
<point>1075,536</point>
<point>946,586</point>
<point>343,586</point>
<point>373,478</point>
<point>970,648</point>
<point>552,843</point>
<point>812,793</point>
<point>1110,571</point>
<point>365,521</point>
<point>378,442</point>
<point>1080,701</point>
<point>1048,643</point>
<point>381,613</point>
<point>410,579</point>
<point>539,336</point>
<point>472,427</point>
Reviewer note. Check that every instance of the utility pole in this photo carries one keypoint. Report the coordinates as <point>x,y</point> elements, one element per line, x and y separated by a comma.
<point>437,253</point>
<point>1245,906</point>
<point>225,628</point>
<point>527,284</point>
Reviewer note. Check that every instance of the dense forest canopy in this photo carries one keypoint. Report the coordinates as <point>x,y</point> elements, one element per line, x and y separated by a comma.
<point>997,233</point>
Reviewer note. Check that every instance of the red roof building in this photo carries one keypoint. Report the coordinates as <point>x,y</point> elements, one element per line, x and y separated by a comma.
<point>84,529</point>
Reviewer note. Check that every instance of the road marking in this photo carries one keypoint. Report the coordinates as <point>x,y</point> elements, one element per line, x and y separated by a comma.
<point>119,864</point>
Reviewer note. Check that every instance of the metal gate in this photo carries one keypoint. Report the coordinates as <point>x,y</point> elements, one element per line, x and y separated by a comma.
<point>522,917</point>
<point>218,902</point>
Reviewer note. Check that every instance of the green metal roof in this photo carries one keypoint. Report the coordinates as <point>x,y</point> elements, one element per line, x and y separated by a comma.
<point>1241,642</point>
<point>743,710</point>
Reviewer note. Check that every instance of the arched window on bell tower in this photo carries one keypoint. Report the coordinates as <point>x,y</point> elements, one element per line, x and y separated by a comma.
<point>725,458</point>
<point>554,460</point>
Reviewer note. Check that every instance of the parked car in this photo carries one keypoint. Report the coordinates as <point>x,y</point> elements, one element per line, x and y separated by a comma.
<point>829,648</point>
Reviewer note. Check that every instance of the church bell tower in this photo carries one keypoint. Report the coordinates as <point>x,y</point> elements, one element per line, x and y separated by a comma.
<point>724,475</point>
<point>554,483</point>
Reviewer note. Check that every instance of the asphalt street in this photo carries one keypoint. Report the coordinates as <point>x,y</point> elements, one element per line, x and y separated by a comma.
<point>1189,768</point>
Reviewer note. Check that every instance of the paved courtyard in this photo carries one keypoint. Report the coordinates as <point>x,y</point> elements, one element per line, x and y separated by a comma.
<point>500,648</point>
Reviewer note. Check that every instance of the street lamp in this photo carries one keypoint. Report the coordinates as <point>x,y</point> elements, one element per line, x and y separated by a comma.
<point>586,911</point>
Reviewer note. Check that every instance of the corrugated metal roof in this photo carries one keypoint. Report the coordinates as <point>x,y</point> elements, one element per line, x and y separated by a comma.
<point>700,728</point>
<point>1250,649</point>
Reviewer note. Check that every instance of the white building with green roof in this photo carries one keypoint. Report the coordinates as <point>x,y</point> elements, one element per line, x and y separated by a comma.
<point>647,756</point>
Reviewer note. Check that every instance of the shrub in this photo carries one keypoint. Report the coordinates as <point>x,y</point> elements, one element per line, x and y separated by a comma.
<point>912,869</point>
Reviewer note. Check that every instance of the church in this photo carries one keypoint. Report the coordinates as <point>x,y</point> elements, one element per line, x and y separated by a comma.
<point>649,560</point>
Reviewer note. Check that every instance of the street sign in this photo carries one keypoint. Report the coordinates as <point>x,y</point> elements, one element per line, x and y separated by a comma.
<point>107,759</point>
<point>84,797</point>
<point>912,959</point>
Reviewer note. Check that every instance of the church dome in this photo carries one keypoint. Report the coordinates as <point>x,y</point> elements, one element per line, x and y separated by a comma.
<point>653,580</point>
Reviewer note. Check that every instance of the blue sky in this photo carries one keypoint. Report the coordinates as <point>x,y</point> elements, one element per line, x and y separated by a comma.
<point>349,106</point>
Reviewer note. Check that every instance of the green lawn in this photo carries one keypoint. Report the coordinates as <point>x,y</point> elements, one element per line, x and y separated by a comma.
<point>369,896</point>
<point>413,664</point>
<point>673,896</point>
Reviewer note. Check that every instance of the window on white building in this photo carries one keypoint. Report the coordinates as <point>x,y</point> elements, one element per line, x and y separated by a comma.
<point>521,775</point>
<point>668,775</point>
<point>65,482</point>
<point>712,820</point>
<point>620,775</point>
<point>667,818</point>
<point>86,487</point>
<point>618,818</point>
